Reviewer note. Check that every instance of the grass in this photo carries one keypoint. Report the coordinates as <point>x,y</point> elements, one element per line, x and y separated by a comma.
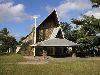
<point>78,67</point>
<point>11,58</point>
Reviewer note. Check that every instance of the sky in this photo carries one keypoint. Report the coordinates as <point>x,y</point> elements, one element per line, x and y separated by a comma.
<point>17,15</point>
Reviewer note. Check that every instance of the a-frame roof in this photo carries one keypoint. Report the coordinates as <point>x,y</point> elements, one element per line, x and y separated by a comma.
<point>53,15</point>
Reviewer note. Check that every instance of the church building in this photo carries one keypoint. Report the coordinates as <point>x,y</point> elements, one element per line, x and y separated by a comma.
<point>49,37</point>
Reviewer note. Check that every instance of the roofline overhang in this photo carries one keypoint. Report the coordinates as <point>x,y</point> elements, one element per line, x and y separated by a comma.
<point>53,46</point>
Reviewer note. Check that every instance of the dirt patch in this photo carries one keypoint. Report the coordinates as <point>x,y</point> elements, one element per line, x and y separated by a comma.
<point>40,60</point>
<point>34,60</point>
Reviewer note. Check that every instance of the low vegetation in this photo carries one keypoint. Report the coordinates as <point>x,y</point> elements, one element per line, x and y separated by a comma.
<point>11,58</point>
<point>77,67</point>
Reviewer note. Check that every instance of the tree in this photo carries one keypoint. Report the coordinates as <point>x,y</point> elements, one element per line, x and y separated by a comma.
<point>75,35</point>
<point>8,43</point>
<point>20,41</point>
<point>96,3</point>
<point>4,31</point>
<point>89,25</point>
<point>96,41</point>
<point>66,28</point>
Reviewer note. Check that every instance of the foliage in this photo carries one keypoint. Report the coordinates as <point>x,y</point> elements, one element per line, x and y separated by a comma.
<point>75,34</point>
<point>89,25</point>
<point>66,28</point>
<point>84,41</point>
<point>20,41</point>
<point>96,41</point>
<point>86,34</point>
<point>7,42</point>
<point>4,31</point>
<point>96,3</point>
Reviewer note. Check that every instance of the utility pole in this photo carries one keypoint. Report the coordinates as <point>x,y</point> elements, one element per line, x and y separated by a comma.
<point>35,17</point>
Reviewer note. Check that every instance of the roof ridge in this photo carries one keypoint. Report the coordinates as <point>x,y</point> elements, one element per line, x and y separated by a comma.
<point>44,20</point>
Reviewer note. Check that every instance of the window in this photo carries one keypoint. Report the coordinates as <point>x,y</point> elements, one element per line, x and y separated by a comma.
<point>50,50</point>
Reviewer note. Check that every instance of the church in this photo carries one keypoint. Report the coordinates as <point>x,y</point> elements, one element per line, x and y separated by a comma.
<point>49,37</point>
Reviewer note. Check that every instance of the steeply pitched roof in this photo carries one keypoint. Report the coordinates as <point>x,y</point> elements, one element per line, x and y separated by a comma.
<point>56,42</point>
<point>53,15</point>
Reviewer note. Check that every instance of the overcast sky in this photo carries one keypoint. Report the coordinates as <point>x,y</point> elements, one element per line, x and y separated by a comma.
<point>16,15</point>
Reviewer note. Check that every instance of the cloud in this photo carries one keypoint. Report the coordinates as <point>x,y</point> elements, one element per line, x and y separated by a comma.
<point>95,12</point>
<point>11,12</point>
<point>16,35</point>
<point>5,1</point>
<point>65,7</point>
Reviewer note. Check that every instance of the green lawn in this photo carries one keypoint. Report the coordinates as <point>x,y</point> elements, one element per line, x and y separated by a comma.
<point>78,67</point>
<point>11,58</point>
